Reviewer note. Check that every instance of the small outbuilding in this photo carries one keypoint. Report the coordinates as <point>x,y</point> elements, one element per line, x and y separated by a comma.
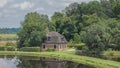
<point>54,40</point>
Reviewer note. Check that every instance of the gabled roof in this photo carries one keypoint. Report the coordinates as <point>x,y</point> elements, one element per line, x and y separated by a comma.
<point>55,37</point>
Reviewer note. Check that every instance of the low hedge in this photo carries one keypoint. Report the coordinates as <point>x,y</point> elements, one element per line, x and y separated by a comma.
<point>30,49</point>
<point>26,49</point>
<point>3,48</point>
<point>11,48</point>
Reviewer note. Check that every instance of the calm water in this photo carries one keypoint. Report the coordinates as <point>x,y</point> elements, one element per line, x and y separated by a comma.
<point>36,62</point>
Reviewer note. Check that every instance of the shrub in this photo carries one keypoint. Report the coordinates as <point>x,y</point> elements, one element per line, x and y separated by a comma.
<point>2,48</point>
<point>109,49</point>
<point>50,49</point>
<point>10,44</point>
<point>0,37</point>
<point>111,54</point>
<point>30,49</point>
<point>78,46</point>
<point>79,52</point>
<point>10,48</point>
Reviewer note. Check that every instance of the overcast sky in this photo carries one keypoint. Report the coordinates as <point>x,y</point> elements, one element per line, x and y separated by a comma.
<point>12,12</point>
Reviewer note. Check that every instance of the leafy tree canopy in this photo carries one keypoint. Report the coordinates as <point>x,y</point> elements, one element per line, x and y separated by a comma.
<point>33,30</point>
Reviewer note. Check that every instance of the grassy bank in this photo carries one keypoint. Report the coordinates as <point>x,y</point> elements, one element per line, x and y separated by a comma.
<point>111,54</point>
<point>98,63</point>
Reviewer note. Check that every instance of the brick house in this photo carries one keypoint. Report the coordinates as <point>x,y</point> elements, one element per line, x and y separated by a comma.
<point>54,40</point>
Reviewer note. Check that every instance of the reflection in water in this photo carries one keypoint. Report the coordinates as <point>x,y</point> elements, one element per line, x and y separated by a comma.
<point>37,62</point>
<point>8,62</point>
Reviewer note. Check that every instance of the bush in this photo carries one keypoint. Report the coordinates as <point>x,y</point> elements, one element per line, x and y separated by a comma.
<point>30,49</point>
<point>10,48</point>
<point>111,54</point>
<point>50,49</point>
<point>10,44</point>
<point>109,49</point>
<point>76,45</point>
<point>0,37</point>
<point>79,52</point>
<point>2,48</point>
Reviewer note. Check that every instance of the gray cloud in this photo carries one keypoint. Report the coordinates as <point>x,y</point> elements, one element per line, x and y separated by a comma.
<point>24,5</point>
<point>12,12</point>
<point>4,2</point>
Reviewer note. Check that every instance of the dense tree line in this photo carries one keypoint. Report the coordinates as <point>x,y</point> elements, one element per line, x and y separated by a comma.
<point>9,30</point>
<point>96,23</point>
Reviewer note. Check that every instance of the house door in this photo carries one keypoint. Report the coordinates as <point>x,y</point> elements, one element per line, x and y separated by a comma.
<point>54,46</point>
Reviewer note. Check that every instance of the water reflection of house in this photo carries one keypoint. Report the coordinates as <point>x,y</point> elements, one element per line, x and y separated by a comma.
<point>53,63</point>
<point>54,40</point>
<point>56,64</point>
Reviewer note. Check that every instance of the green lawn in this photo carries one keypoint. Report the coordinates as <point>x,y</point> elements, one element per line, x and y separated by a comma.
<point>95,62</point>
<point>69,51</point>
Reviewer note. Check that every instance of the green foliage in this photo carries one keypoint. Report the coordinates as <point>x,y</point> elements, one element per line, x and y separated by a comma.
<point>30,49</point>
<point>116,8</point>
<point>90,19</point>
<point>76,38</point>
<point>83,47</point>
<point>93,37</point>
<point>10,44</point>
<point>72,44</point>
<point>111,54</point>
<point>0,37</point>
<point>2,48</point>
<point>95,23</point>
<point>50,50</point>
<point>11,48</point>
<point>33,31</point>
<point>8,48</point>
<point>64,25</point>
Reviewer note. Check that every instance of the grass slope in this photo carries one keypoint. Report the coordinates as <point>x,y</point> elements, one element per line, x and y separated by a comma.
<point>95,62</point>
<point>111,54</point>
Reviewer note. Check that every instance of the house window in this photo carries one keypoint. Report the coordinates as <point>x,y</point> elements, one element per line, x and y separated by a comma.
<point>43,46</point>
<point>62,39</point>
<point>49,38</point>
<point>54,46</point>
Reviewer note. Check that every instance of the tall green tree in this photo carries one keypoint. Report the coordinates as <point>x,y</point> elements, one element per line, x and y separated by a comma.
<point>57,21</point>
<point>116,8</point>
<point>93,36</point>
<point>97,22</point>
<point>76,38</point>
<point>114,33</point>
<point>33,30</point>
<point>107,8</point>
<point>64,25</point>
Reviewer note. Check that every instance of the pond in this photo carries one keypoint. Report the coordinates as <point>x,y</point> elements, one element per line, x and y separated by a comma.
<point>37,62</point>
